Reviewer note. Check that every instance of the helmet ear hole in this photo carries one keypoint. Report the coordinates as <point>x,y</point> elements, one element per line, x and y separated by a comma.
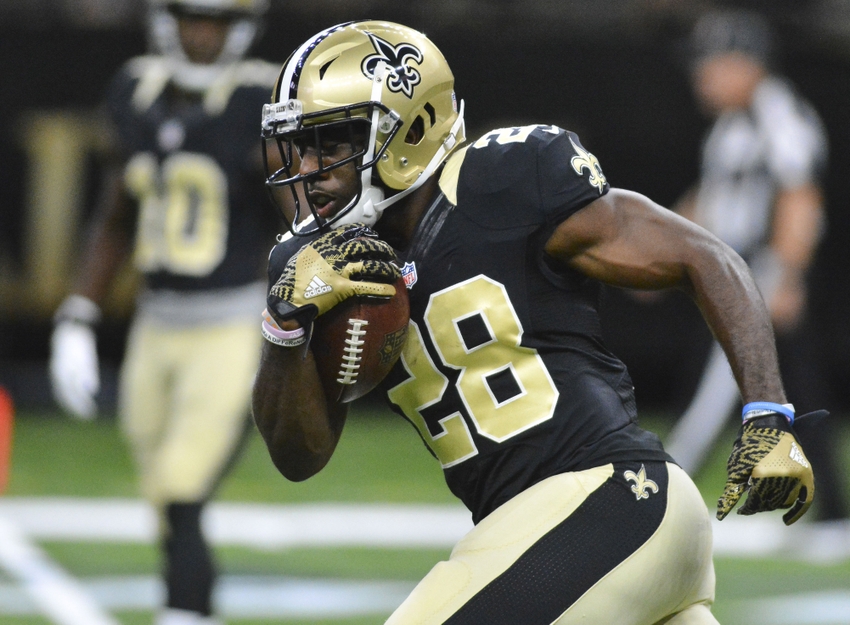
<point>431,113</point>
<point>416,132</point>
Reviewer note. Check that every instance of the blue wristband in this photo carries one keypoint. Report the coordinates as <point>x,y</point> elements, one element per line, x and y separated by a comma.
<point>762,408</point>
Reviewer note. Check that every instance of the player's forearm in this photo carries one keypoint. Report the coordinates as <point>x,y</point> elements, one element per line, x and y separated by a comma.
<point>626,240</point>
<point>298,425</point>
<point>674,252</point>
<point>108,244</point>
<point>722,286</point>
<point>102,258</point>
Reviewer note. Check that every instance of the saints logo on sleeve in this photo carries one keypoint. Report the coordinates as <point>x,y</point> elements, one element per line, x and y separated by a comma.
<point>527,176</point>
<point>585,160</point>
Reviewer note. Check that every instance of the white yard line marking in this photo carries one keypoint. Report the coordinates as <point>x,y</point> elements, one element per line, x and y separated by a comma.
<point>813,608</point>
<point>261,526</point>
<point>277,526</point>
<point>241,596</point>
<point>59,595</point>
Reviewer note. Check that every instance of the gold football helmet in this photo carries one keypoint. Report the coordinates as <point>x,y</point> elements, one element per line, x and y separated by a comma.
<point>384,88</point>
<point>244,15</point>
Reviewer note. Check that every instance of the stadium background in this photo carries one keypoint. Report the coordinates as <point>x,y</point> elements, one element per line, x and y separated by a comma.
<point>614,71</point>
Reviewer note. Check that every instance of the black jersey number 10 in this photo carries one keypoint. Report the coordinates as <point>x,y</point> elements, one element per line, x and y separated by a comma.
<point>183,213</point>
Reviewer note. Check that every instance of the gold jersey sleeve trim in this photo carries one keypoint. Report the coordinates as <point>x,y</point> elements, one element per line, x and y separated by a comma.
<point>451,172</point>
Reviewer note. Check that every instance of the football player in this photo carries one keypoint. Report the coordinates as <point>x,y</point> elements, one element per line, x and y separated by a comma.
<point>580,515</point>
<point>185,198</point>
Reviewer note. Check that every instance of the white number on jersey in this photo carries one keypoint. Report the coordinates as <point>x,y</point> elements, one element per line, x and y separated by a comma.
<point>493,415</point>
<point>517,134</point>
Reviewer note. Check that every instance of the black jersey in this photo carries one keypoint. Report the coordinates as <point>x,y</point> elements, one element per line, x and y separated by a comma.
<point>195,168</point>
<point>504,372</point>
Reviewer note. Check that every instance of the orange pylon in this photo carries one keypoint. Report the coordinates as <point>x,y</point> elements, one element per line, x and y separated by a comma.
<point>7,418</point>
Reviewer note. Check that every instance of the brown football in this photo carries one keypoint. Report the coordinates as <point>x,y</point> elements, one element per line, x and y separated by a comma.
<point>357,342</point>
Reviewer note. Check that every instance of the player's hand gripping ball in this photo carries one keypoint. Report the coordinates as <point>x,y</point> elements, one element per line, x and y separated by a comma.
<point>768,463</point>
<point>347,261</point>
<point>346,280</point>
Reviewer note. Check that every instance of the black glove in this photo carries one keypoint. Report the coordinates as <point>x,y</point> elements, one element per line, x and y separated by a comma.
<point>348,261</point>
<point>767,461</point>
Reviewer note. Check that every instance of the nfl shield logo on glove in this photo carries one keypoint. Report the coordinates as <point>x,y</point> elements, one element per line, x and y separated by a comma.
<point>408,273</point>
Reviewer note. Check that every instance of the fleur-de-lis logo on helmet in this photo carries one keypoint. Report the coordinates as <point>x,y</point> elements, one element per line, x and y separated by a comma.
<point>586,160</point>
<point>642,485</point>
<point>402,78</point>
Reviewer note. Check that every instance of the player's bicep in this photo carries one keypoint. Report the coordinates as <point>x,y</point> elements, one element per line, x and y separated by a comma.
<point>626,240</point>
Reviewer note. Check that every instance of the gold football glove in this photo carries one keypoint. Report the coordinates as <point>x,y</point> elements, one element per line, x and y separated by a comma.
<point>345,262</point>
<point>768,463</point>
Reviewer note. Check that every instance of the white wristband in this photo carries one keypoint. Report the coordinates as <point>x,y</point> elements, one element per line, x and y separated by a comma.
<point>273,333</point>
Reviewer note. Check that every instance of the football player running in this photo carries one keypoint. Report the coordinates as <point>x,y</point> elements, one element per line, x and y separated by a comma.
<point>580,515</point>
<point>185,198</point>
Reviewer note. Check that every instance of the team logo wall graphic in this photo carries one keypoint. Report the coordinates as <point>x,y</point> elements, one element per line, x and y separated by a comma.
<point>403,78</point>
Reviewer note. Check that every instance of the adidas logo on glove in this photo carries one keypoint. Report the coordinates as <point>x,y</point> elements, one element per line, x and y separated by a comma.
<point>316,287</point>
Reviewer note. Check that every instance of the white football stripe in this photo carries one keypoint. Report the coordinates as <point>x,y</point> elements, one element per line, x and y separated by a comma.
<point>275,526</point>
<point>238,596</point>
<point>269,526</point>
<point>57,594</point>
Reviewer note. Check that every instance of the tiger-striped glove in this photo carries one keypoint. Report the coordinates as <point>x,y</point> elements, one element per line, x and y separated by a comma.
<point>768,462</point>
<point>345,262</point>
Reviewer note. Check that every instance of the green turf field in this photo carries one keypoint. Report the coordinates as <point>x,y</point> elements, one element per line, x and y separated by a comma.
<point>379,459</point>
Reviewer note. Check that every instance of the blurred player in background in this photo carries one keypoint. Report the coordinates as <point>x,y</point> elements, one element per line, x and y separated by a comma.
<point>760,191</point>
<point>186,198</point>
<point>505,242</point>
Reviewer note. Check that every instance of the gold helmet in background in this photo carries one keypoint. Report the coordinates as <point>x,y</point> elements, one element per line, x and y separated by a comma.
<point>386,87</point>
<point>245,17</point>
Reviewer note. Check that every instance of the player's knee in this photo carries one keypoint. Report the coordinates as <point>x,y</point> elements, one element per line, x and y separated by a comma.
<point>180,480</point>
